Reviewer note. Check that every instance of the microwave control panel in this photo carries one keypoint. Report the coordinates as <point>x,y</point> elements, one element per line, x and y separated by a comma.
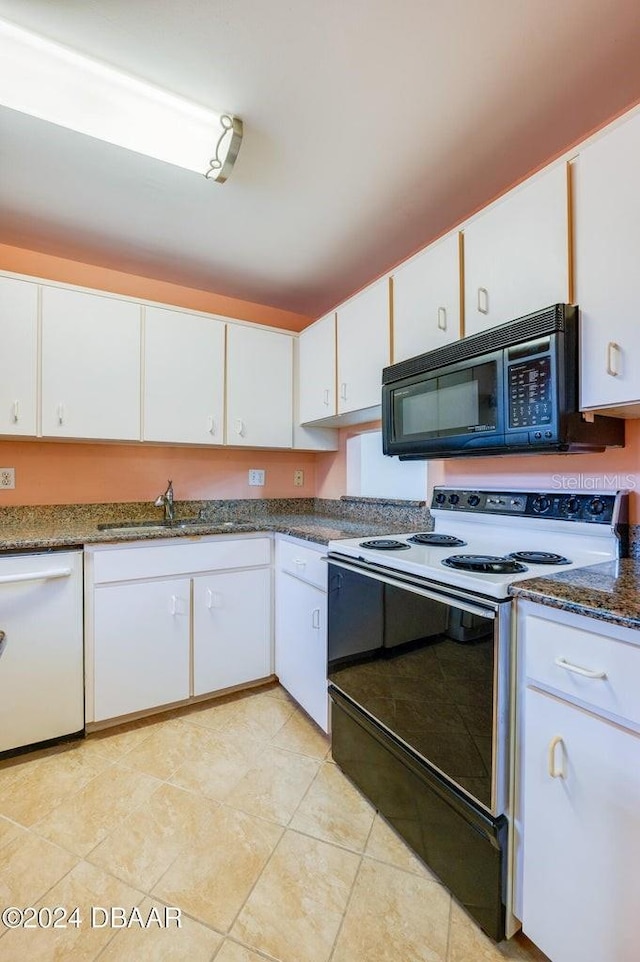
<point>530,393</point>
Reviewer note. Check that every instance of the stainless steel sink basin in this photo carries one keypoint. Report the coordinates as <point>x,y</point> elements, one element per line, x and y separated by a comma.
<point>153,523</point>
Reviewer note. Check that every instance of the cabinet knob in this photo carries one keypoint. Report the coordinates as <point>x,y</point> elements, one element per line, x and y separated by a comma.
<point>614,352</point>
<point>442,318</point>
<point>555,772</point>
<point>483,300</point>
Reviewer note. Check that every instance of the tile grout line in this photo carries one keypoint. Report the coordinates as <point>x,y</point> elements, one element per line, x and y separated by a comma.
<point>352,889</point>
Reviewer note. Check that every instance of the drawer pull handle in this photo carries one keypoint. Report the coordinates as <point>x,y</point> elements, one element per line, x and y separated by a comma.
<point>483,300</point>
<point>442,318</point>
<point>299,563</point>
<point>16,412</point>
<point>315,618</point>
<point>613,350</point>
<point>61,414</point>
<point>577,670</point>
<point>212,426</point>
<point>553,744</point>
<point>326,397</point>
<point>240,427</point>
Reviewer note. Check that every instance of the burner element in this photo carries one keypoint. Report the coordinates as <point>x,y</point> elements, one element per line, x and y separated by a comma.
<point>441,540</point>
<point>385,544</point>
<point>539,557</point>
<point>484,564</point>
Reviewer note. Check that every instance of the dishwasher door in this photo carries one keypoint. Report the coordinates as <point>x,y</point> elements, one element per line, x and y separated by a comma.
<point>41,648</point>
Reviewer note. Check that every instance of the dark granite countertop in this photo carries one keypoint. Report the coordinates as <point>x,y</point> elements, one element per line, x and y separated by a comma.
<point>609,592</point>
<point>315,520</point>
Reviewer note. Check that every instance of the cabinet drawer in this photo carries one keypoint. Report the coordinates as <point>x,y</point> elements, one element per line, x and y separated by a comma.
<point>167,560</point>
<point>612,680</point>
<point>302,562</point>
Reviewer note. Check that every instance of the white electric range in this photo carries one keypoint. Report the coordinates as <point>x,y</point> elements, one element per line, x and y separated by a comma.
<point>478,532</point>
<point>420,668</point>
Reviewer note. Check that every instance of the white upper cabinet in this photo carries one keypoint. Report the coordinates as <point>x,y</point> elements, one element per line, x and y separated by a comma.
<point>363,348</point>
<point>516,253</point>
<point>426,300</point>
<point>259,387</point>
<point>18,357</point>
<point>183,378</point>
<point>317,370</point>
<point>90,366</point>
<point>607,268</point>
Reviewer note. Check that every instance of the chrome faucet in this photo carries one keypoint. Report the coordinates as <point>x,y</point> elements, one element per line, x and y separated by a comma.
<point>166,501</point>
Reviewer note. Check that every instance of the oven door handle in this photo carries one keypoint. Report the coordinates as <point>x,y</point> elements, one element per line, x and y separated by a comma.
<point>444,598</point>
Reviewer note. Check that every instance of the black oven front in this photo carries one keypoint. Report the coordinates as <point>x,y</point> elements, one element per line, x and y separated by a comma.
<point>419,685</point>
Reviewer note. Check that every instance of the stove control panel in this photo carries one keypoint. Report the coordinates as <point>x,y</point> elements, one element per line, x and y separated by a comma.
<point>593,507</point>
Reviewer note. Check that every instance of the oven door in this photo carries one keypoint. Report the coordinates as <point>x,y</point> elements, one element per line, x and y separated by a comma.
<point>429,666</point>
<point>452,410</point>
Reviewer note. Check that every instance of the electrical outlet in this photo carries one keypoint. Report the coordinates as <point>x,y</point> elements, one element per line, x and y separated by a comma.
<point>298,478</point>
<point>256,477</point>
<point>7,478</point>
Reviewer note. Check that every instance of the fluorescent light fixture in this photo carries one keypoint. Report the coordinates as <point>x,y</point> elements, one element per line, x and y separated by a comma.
<point>52,82</point>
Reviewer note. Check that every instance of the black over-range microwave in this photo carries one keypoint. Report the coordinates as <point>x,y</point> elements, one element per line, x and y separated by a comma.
<point>510,390</point>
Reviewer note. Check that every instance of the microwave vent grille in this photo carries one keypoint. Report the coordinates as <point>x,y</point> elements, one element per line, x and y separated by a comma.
<point>548,321</point>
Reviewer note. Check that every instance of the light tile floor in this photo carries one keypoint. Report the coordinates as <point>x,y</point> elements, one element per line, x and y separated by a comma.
<point>233,812</point>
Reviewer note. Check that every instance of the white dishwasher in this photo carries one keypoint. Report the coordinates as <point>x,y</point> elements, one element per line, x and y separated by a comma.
<point>41,648</point>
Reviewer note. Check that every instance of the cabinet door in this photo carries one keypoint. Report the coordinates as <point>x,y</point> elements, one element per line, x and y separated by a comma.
<point>183,377</point>
<point>231,629</point>
<point>141,646</point>
<point>317,370</point>
<point>90,366</point>
<point>426,300</point>
<point>259,387</point>
<point>363,348</point>
<point>608,279</point>
<point>581,885</point>
<point>301,645</point>
<point>18,357</point>
<point>516,255</point>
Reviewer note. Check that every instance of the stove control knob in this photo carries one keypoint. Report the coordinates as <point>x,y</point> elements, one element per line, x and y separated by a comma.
<point>473,500</point>
<point>454,498</point>
<point>572,505</point>
<point>540,504</point>
<point>596,506</point>
<point>440,498</point>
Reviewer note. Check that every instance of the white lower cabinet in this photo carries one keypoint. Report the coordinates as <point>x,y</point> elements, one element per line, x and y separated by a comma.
<point>141,646</point>
<point>231,629</point>
<point>581,883</point>
<point>170,621</point>
<point>301,627</point>
<point>578,786</point>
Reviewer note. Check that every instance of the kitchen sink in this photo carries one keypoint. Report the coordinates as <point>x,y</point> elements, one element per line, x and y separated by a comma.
<point>156,523</point>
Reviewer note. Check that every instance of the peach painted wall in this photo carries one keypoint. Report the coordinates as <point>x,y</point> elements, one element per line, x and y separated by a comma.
<point>331,467</point>
<point>132,285</point>
<point>614,468</point>
<point>51,472</point>
<point>61,473</point>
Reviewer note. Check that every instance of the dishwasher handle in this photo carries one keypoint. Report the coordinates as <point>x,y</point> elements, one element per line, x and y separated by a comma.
<point>35,576</point>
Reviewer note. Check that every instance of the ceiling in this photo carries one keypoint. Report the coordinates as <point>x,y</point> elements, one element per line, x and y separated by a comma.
<point>371,126</point>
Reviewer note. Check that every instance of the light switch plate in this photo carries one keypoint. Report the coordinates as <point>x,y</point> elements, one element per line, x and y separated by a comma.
<point>256,477</point>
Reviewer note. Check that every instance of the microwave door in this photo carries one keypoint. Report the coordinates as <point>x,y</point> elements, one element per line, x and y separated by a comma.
<point>447,410</point>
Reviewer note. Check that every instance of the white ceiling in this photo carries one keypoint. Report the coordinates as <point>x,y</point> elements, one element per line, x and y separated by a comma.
<point>371,126</point>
